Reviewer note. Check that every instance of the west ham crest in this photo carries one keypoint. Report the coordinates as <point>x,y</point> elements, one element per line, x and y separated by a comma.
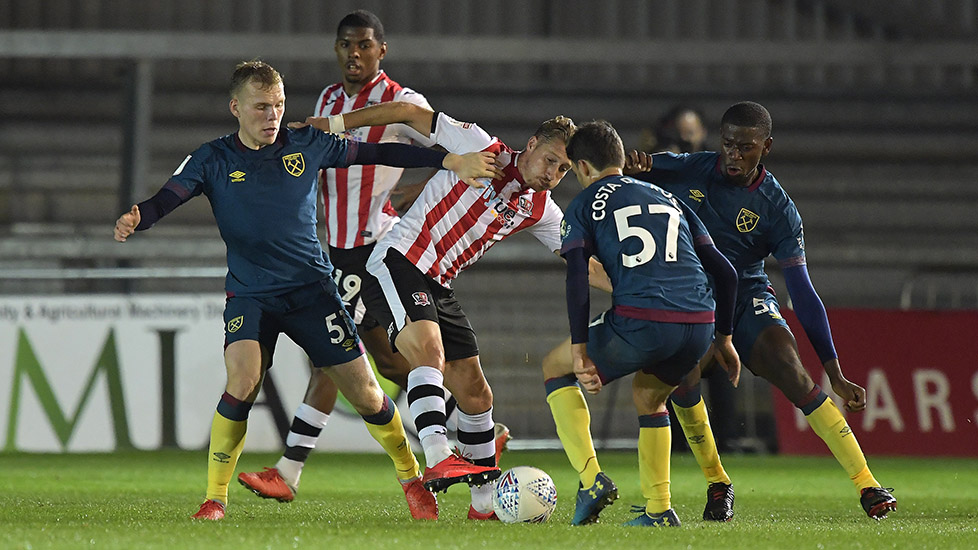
<point>294,164</point>
<point>746,220</point>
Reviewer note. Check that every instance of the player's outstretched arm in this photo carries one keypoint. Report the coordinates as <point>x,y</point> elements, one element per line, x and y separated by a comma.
<point>145,214</point>
<point>813,318</point>
<point>472,167</point>
<point>393,112</point>
<point>126,224</point>
<point>468,167</point>
<point>853,394</point>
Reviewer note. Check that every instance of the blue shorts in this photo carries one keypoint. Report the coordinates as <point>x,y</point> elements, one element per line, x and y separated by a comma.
<point>755,312</point>
<point>313,316</point>
<point>620,346</point>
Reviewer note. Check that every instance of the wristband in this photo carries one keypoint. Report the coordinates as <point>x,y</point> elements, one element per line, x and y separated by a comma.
<point>336,124</point>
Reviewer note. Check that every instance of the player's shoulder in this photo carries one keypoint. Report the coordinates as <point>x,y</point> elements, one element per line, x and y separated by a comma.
<point>410,95</point>
<point>215,148</point>
<point>331,90</point>
<point>307,136</point>
<point>772,190</point>
<point>456,135</point>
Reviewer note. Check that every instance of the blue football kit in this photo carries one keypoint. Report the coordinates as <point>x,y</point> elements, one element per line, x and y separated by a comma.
<point>662,317</point>
<point>747,225</point>
<point>264,202</point>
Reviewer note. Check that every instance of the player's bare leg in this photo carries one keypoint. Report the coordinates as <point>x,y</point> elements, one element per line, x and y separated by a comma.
<point>775,358</point>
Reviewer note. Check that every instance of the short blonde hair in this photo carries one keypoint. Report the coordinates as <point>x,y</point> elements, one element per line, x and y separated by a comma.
<point>559,128</point>
<point>255,70</point>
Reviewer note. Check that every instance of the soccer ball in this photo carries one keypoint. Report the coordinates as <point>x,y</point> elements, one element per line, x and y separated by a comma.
<point>524,494</point>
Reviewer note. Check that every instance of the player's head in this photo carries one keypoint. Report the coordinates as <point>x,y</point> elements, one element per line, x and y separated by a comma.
<point>544,161</point>
<point>594,148</point>
<point>360,46</point>
<point>745,138</point>
<point>258,102</point>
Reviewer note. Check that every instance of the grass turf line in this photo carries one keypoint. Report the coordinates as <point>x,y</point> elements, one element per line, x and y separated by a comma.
<point>144,500</point>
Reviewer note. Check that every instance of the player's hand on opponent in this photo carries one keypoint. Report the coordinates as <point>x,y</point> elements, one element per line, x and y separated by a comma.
<point>637,162</point>
<point>722,350</point>
<point>853,394</point>
<point>584,369</point>
<point>126,224</point>
<point>471,167</point>
<point>329,124</point>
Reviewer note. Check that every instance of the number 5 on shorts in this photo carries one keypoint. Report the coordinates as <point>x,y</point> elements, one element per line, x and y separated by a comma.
<point>332,327</point>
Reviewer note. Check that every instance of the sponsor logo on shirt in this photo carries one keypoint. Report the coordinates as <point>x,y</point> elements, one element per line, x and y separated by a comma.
<point>237,176</point>
<point>696,195</point>
<point>502,210</point>
<point>295,164</point>
<point>746,220</point>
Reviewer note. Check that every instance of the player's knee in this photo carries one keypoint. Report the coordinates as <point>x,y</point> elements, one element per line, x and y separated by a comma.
<point>557,363</point>
<point>242,384</point>
<point>423,352</point>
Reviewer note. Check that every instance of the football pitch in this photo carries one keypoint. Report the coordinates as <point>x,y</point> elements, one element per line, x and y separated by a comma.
<point>144,500</point>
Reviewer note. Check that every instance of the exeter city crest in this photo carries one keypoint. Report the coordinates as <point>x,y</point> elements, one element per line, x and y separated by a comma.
<point>294,164</point>
<point>746,220</point>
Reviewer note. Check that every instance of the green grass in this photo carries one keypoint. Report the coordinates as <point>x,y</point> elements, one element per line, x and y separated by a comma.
<point>143,500</point>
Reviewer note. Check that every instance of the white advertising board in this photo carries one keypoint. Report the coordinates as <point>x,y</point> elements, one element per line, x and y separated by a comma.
<point>100,373</point>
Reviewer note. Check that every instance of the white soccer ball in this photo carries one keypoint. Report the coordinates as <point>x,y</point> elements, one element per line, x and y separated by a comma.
<point>524,494</point>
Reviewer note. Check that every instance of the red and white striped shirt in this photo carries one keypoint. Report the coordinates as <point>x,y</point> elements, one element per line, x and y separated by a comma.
<point>451,225</point>
<point>357,199</point>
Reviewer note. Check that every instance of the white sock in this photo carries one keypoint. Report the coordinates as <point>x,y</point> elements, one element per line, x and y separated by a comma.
<point>428,381</point>
<point>482,497</point>
<point>290,470</point>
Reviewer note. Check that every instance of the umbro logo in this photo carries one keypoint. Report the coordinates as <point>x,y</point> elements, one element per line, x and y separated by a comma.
<point>222,457</point>
<point>697,439</point>
<point>237,176</point>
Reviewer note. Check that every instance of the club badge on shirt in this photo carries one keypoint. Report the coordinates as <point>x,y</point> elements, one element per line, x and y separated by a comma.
<point>746,220</point>
<point>421,299</point>
<point>295,164</point>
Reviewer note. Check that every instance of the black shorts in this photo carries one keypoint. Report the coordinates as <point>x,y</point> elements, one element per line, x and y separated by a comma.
<point>398,291</point>
<point>349,272</point>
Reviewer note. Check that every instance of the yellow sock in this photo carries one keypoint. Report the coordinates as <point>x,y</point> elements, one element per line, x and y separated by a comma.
<point>696,427</point>
<point>393,439</point>
<point>227,441</point>
<point>654,448</point>
<point>827,421</point>
<point>573,422</point>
